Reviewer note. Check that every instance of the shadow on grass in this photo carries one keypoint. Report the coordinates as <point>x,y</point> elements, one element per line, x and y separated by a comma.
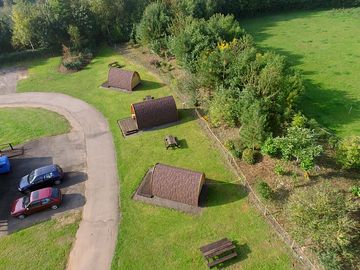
<point>242,250</point>
<point>146,85</point>
<point>215,193</point>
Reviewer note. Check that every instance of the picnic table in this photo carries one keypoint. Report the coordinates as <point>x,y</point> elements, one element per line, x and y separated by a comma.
<point>148,98</point>
<point>171,141</point>
<point>218,252</point>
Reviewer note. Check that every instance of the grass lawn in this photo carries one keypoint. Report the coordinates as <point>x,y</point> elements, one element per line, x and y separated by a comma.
<point>152,237</point>
<point>19,125</point>
<point>326,46</point>
<point>45,245</point>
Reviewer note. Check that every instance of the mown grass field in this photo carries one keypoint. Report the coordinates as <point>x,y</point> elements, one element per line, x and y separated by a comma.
<point>325,45</point>
<point>152,237</point>
<point>45,245</point>
<point>19,125</point>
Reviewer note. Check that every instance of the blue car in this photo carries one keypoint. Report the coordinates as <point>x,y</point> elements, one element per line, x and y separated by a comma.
<point>5,166</point>
<point>41,177</point>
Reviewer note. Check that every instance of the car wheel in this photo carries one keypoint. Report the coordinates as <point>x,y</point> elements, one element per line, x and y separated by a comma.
<point>54,207</point>
<point>21,217</point>
<point>57,182</point>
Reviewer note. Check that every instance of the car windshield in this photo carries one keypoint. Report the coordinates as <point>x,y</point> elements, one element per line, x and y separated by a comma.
<point>26,201</point>
<point>31,177</point>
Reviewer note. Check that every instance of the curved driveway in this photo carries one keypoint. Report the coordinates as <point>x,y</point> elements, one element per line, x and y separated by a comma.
<point>96,237</point>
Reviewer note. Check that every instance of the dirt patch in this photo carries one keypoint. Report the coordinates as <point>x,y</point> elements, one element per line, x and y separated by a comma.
<point>9,78</point>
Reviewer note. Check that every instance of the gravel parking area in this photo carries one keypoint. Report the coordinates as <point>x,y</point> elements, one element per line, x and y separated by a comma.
<point>66,150</point>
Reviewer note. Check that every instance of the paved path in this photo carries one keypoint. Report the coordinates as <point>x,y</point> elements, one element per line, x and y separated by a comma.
<point>9,78</point>
<point>96,237</point>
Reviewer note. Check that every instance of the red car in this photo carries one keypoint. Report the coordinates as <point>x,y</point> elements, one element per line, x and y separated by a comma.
<point>36,201</point>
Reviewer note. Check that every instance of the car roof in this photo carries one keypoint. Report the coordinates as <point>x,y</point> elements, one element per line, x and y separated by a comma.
<point>40,194</point>
<point>3,160</point>
<point>45,169</point>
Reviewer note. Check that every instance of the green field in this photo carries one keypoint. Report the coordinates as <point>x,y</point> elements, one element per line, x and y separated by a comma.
<point>325,45</point>
<point>43,246</point>
<point>19,125</point>
<point>153,237</point>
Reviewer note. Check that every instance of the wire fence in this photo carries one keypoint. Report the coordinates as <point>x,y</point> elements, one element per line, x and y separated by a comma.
<point>298,251</point>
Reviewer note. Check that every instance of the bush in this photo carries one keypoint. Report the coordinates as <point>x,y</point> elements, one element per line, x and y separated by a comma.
<point>322,217</point>
<point>236,147</point>
<point>249,156</point>
<point>299,120</point>
<point>279,169</point>
<point>264,190</point>
<point>270,147</point>
<point>299,144</point>
<point>222,110</point>
<point>348,152</point>
<point>74,60</point>
<point>355,190</point>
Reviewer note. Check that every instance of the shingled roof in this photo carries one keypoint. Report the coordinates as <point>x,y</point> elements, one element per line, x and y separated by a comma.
<point>155,112</point>
<point>123,79</point>
<point>177,184</point>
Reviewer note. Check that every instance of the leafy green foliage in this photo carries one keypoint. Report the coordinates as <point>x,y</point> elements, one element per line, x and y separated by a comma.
<point>355,190</point>
<point>5,36</point>
<point>264,190</point>
<point>153,28</point>
<point>299,144</point>
<point>199,35</point>
<point>249,156</point>
<point>322,216</point>
<point>222,110</point>
<point>279,169</point>
<point>348,152</point>
<point>236,147</point>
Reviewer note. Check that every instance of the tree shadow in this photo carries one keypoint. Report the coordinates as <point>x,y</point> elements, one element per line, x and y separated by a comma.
<point>215,193</point>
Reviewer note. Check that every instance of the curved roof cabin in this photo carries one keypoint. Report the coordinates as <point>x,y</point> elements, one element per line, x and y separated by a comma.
<point>123,79</point>
<point>177,184</point>
<point>155,112</point>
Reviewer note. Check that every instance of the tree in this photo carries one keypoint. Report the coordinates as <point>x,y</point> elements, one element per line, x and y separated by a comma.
<point>153,28</point>
<point>253,121</point>
<point>5,36</point>
<point>322,216</point>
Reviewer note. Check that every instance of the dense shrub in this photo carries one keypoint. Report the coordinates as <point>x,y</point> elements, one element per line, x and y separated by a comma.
<point>236,147</point>
<point>195,8</point>
<point>249,156</point>
<point>199,35</point>
<point>322,217</point>
<point>5,36</point>
<point>355,190</point>
<point>264,190</point>
<point>75,60</point>
<point>153,28</point>
<point>223,110</point>
<point>348,152</point>
<point>299,144</point>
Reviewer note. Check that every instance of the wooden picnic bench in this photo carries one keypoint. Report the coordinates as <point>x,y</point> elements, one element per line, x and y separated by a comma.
<point>171,141</point>
<point>218,252</point>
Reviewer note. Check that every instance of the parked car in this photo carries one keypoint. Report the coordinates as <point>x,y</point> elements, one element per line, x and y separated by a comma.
<point>36,201</point>
<point>5,166</point>
<point>41,177</point>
